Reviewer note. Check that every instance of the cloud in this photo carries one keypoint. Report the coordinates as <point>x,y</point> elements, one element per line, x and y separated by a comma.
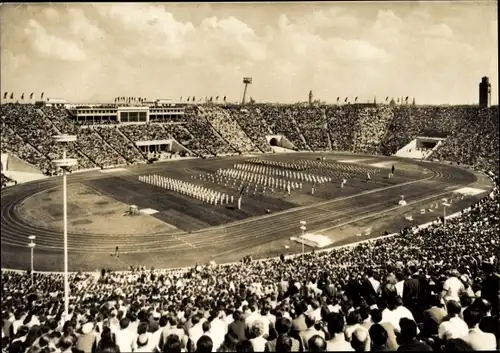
<point>168,50</point>
<point>51,13</point>
<point>82,28</point>
<point>441,31</point>
<point>334,17</point>
<point>49,45</point>
<point>388,25</point>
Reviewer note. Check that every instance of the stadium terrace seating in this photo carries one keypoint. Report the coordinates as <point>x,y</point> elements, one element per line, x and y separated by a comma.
<point>280,120</point>
<point>125,147</point>
<point>251,122</point>
<point>209,130</point>
<point>342,121</point>
<point>145,132</point>
<point>98,150</point>
<point>475,143</point>
<point>372,126</point>
<point>204,134</point>
<point>412,121</point>
<point>312,124</point>
<point>228,128</point>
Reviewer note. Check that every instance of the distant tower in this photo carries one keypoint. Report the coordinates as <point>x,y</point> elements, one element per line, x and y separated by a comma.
<point>246,81</point>
<point>484,93</point>
<point>310,97</point>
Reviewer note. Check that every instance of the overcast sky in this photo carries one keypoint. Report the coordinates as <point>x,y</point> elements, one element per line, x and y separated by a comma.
<point>436,52</point>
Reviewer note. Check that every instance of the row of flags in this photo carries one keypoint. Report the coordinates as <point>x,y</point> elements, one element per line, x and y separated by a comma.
<point>6,94</point>
<point>207,99</point>
<point>386,99</point>
<point>130,99</point>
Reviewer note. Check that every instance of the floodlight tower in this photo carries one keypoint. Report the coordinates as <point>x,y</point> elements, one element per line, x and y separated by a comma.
<point>246,81</point>
<point>32,245</point>
<point>303,229</point>
<point>65,164</point>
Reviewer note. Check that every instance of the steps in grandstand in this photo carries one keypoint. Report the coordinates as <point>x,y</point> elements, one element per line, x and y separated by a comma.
<point>18,170</point>
<point>13,163</point>
<point>281,149</point>
<point>420,148</point>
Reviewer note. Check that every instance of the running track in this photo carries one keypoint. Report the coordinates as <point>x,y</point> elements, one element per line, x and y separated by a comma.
<point>88,252</point>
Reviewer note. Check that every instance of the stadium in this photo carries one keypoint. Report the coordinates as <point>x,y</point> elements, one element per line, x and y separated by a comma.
<point>204,224</point>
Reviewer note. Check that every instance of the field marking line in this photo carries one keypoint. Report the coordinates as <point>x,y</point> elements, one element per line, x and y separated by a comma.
<point>385,211</point>
<point>184,241</point>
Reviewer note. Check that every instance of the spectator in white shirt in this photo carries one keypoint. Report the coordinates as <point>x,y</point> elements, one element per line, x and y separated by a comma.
<point>196,331</point>
<point>218,328</point>
<point>124,338</point>
<point>257,332</point>
<point>454,327</point>
<point>252,316</point>
<point>453,287</point>
<point>479,340</point>
<point>395,312</point>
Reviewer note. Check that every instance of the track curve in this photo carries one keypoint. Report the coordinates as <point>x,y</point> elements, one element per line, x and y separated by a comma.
<point>210,243</point>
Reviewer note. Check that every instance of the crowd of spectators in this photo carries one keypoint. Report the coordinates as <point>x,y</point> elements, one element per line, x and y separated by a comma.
<point>229,128</point>
<point>251,121</point>
<point>120,143</point>
<point>410,122</point>
<point>342,121</point>
<point>281,121</point>
<point>11,142</point>
<point>475,143</point>
<point>98,150</point>
<point>215,130</point>
<point>206,138</point>
<point>372,127</point>
<point>312,124</point>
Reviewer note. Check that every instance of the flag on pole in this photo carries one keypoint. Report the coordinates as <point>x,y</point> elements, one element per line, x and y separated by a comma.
<point>194,98</point>
<point>338,98</point>
<point>180,99</point>
<point>217,98</point>
<point>188,98</point>
<point>356,99</point>
<point>406,99</point>
<point>31,95</point>
<point>22,96</point>
<point>5,95</point>
<point>345,100</point>
<point>12,95</point>
<point>41,96</point>
<point>224,98</point>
